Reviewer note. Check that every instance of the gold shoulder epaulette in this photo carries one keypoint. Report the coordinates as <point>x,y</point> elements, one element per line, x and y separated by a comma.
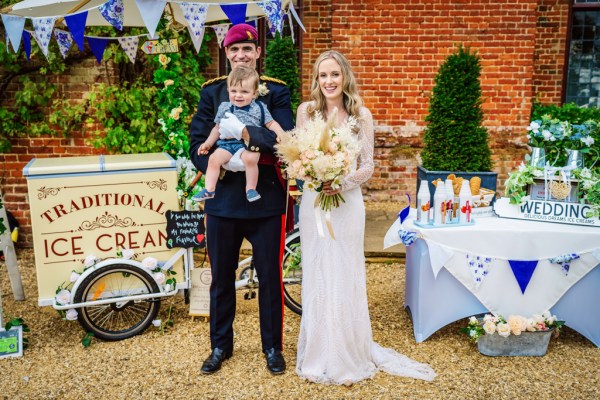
<point>275,80</point>
<point>214,80</point>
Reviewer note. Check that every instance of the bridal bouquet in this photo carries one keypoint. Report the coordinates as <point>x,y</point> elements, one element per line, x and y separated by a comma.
<point>319,152</point>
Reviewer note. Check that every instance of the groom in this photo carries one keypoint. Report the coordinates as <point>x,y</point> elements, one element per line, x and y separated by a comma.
<point>231,218</point>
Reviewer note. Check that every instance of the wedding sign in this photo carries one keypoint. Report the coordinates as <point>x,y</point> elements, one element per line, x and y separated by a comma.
<point>546,211</point>
<point>185,229</point>
<point>200,292</point>
<point>160,46</point>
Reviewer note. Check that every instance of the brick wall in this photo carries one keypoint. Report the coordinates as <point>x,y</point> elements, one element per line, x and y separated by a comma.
<point>396,49</point>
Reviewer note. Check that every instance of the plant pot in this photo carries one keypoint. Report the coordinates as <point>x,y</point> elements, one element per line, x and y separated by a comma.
<point>488,179</point>
<point>525,344</point>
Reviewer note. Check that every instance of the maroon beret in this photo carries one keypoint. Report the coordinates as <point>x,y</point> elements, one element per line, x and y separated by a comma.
<point>240,33</point>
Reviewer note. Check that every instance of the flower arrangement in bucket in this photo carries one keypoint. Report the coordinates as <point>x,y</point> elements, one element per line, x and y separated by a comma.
<point>515,336</point>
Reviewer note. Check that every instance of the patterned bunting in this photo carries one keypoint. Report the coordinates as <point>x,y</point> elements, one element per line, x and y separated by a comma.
<point>221,31</point>
<point>195,15</point>
<point>14,25</point>
<point>98,45</point>
<point>43,32</point>
<point>235,12</point>
<point>479,267</point>
<point>197,42</point>
<point>76,24</point>
<point>274,14</point>
<point>523,270</point>
<point>114,12</point>
<point>64,40</point>
<point>564,261</point>
<point>130,46</point>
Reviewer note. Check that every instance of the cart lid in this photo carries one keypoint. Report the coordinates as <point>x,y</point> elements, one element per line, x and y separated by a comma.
<point>101,163</point>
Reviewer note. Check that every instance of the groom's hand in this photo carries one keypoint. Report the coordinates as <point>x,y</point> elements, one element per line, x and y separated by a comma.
<point>230,127</point>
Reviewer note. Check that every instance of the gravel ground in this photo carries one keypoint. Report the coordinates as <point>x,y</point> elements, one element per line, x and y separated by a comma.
<point>166,365</point>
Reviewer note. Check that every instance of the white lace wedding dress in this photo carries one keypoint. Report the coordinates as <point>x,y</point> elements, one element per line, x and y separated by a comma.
<point>335,345</point>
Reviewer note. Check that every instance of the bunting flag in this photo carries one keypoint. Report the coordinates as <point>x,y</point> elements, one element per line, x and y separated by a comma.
<point>98,45</point>
<point>14,25</point>
<point>479,267</point>
<point>197,42</point>
<point>64,40</point>
<point>274,14</point>
<point>523,270</point>
<point>114,12</point>
<point>564,261</point>
<point>195,15</point>
<point>42,32</point>
<point>76,24</point>
<point>221,31</point>
<point>151,11</point>
<point>27,44</point>
<point>235,12</point>
<point>130,46</point>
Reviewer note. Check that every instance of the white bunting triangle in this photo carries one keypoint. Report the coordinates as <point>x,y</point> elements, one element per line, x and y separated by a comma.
<point>64,40</point>
<point>195,15</point>
<point>43,32</point>
<point>151,11</point>
<point>14,25</point>
<point>129,45</point>
<point>221,31</point>
<point>197,42</point>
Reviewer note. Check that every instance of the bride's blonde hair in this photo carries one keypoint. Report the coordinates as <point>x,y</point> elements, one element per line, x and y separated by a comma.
<point>352,100</point>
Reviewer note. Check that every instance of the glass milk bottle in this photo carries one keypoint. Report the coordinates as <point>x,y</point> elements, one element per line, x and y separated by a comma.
<point>423,203</point>
<point>439,204</point>
<point>449,201</point>
<point>465,200</point>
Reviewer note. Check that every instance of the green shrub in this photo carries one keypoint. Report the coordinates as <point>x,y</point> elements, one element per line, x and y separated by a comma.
<point>281,63</point>
<point>454,138</point>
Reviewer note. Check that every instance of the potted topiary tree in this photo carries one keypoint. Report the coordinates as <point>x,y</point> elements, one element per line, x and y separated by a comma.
<point>455,141</point>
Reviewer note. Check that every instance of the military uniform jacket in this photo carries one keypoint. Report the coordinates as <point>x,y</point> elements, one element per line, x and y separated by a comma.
<point>230,197</point>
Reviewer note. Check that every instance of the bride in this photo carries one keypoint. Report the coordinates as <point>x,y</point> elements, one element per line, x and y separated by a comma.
<point>335,345</point>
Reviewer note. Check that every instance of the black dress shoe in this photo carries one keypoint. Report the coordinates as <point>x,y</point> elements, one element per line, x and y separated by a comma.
<point>275,361</point>
<point>214,361</point>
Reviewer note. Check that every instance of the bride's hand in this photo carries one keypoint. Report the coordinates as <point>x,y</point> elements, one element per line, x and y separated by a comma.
<point>328,190</point>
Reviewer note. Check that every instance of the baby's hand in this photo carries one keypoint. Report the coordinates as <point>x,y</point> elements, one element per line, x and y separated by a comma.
<point>203,149</point>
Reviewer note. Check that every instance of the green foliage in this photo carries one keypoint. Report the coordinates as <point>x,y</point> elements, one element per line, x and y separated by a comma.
<point>86,340</point>
<point>454,138</point>
<point>281,63</point>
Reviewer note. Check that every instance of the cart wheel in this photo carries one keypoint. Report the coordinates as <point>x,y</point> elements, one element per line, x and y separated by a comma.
<point>120,320</point>
<point>292,273</point>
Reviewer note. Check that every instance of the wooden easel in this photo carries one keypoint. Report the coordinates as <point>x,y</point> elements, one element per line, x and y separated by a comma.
<point>10,258</point>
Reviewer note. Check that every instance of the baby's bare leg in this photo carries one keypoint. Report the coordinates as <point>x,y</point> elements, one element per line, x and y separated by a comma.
<point>250,160</point>
<point>215,161</point>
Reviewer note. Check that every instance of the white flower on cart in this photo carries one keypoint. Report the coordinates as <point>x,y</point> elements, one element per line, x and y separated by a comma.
<point>90,261</point>
<point>71,314</point>
<point>159,277</point>
<point>74,276</point>
<point>127,254</point>
<point>149,263</point>
<point>63,297</point>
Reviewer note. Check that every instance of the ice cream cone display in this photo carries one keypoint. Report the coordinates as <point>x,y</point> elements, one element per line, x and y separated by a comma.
<point>475,184</point>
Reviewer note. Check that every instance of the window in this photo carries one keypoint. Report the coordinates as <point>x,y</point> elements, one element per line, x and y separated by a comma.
<point>583,72</point>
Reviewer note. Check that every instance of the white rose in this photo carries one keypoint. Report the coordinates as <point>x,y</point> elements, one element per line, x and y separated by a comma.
<point>489,327</point>
<point>90,260</point>
<point>127,254</point>
<point>487,317</point>
<point>168,287</point>
<point>503,330</point>
<point>149,263</point>
<point>63,297</point>
<point>71,314</point>
<point>159,277</point>
<point>530,326</point>
<point>473,321</point>
<point>74,276</point>
<point>546,314</point>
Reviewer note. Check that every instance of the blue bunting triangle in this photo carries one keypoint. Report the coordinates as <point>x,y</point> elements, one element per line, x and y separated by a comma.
<point>76,25</point>
<point>403,214</point>
<point>98,46</point>
<point>235,12</point>
<point>523,270</point>
<point>27,44</point>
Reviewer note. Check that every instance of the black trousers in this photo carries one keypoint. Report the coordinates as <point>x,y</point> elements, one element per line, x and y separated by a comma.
<point>224,238</point>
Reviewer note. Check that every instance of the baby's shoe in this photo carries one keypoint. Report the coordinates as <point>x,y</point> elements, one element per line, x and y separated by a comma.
<point>203,195</point>
<point>252,195</point>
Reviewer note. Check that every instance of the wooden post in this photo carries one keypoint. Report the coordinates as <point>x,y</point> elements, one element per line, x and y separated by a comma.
<point>10,256</point>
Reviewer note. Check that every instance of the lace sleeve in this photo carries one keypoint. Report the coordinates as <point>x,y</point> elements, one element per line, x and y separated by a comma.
<point>365,166</point>
<point>301,114</point>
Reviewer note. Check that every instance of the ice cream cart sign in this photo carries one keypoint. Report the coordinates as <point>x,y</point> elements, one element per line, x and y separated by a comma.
<point>97,205</point>
<point>547,211</point>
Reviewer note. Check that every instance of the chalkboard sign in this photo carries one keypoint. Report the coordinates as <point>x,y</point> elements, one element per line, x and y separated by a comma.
<point>185,229</point>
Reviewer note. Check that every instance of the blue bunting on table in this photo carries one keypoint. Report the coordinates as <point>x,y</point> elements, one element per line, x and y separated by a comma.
<point>523,270</point>
<point>564,261</point>
<point>407,237</point>
<point>403,214</point>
